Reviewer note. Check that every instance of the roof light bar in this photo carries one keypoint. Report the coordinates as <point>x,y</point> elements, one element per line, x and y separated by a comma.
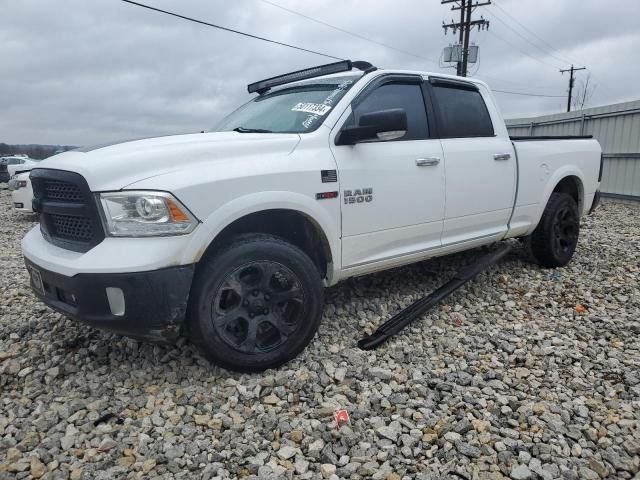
<point>343,66</point>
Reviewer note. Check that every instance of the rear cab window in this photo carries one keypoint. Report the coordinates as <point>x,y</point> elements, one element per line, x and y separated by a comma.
<point>462,111</point>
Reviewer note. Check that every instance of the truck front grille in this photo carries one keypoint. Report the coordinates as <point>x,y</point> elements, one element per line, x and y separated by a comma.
<point>69,216</point>
<point>62,191</point>
<point>72,228</point>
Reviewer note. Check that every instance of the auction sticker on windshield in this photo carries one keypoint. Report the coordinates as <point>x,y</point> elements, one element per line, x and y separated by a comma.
<point>308,107</point>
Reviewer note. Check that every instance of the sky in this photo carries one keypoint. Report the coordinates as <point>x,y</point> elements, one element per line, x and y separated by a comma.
<point>82,72</point>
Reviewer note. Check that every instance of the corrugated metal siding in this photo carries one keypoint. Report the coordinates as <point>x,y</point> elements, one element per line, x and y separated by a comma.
<point>621,175</point>
<point>617,128</point>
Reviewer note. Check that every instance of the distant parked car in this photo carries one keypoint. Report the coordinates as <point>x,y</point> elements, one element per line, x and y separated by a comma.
<point>21,192</point>
<point>4,173</point>
<point>11,164</point>
<point>20,165</point>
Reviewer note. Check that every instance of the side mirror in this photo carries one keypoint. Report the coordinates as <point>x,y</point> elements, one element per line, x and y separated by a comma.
<point>381,125</point>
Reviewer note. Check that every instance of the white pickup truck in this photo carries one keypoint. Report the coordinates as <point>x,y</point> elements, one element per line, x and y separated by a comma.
<point>327,173</point>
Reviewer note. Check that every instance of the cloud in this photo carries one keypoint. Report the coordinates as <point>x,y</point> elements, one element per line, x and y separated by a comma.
<point>78,72</point>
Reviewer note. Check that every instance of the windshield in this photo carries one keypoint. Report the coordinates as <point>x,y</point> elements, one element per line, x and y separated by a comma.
<point>296,109</point>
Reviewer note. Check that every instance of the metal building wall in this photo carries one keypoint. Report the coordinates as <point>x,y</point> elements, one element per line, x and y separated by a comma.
<point>617,128</point>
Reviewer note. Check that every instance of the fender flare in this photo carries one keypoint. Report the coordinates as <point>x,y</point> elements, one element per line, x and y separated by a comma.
<point>239,207</point>
<point>559,175</point>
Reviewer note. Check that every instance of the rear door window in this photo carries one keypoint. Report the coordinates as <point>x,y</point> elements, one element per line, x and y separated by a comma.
<point>463,112</point>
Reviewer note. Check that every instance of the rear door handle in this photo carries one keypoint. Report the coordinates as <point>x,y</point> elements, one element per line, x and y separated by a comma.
<point>502,156</point>
<point>427,162</point>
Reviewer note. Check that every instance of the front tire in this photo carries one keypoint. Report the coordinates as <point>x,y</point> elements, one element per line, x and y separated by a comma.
<point>256,304</point>
<point>554,240</point>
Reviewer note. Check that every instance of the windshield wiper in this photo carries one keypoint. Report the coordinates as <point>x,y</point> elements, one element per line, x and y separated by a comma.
<point>251,130</point>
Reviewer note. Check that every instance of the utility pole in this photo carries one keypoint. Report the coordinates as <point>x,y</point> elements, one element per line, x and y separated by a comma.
<point>464,26</point>
<point>465,49</point>
<point>571,81</point>
<point>462,12</point>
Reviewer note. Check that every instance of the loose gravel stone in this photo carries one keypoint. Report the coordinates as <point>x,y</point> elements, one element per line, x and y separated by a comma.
<point>521,472</point>
<point>286,452</point>
<point>505,379</point>
<point>327,470</point>
<point>468,450</point>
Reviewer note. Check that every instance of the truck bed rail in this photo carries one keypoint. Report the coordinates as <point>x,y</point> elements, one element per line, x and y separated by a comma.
<point>517,138</point>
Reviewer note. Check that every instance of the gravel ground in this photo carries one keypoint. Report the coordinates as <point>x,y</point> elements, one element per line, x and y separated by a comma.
<point>504,380</point>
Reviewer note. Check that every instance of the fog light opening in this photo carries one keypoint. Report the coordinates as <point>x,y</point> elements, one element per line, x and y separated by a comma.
<point>116,300</point>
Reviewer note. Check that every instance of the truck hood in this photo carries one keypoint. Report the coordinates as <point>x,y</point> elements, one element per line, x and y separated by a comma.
<point>116,166</point>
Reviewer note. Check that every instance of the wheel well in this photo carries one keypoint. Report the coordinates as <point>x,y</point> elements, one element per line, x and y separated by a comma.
<point>290,225</point>
<point>572,186</point>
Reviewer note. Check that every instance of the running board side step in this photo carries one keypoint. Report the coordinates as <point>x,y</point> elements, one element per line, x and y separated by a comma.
<point>414,311</point>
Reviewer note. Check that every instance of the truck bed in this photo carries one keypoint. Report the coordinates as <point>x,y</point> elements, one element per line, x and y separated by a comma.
<point>542,163</point>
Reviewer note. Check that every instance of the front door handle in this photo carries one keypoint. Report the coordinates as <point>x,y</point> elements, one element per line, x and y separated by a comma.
<point>502,156</point>
<point>427,162</point>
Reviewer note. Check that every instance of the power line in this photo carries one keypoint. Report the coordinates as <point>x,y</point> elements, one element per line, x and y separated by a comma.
<point>500,80</point>
<point>256,37</point>
<point>545,52</point>
<point>518,84</point>
<point>527,94</point>
<point>521,51</point>
<point>533,34</point>
<point>227,29</point>
<point>339,29</point>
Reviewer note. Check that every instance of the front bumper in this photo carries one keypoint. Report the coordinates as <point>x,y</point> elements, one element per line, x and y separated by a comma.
<point>21,199</point>
<point>147,305</point>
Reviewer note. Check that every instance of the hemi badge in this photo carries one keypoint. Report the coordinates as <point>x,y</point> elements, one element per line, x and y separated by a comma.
<point>328,176</point>
<point>324,195</point>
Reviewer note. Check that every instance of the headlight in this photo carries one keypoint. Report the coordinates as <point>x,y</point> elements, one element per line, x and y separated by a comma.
<point>145,214</point>
<point>15,184</point>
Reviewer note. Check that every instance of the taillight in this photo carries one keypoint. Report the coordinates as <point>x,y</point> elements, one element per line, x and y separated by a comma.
<point>601,166</point>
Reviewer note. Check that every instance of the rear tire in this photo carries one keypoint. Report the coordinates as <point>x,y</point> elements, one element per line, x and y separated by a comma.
<point>554,240</point>
<point>256,304</point>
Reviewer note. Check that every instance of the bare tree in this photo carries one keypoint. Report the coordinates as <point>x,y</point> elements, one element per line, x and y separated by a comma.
<point>584,92</point>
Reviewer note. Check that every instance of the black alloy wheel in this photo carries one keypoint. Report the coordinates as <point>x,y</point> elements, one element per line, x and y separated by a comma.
<point>554,240</point>
<point>255,304</point>
<point>565,230</point>
<point>258,307</point>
